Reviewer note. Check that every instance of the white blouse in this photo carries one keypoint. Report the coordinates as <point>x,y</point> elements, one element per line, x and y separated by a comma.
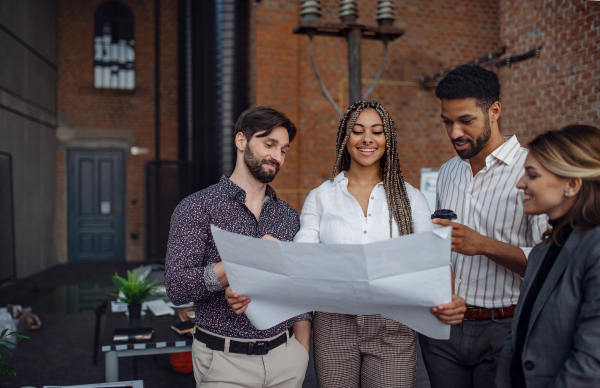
<point>331,215</point>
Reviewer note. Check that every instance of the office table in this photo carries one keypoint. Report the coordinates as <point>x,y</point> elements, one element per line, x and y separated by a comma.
<point>164,340</point>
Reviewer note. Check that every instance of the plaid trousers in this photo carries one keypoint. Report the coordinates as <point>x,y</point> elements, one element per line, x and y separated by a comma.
<point>368,351</point>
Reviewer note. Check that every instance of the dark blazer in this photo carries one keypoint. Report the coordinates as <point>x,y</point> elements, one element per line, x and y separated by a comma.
<point>562,347</point>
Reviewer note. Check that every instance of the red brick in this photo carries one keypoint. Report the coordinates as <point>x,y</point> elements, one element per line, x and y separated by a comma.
<point>81,106</point>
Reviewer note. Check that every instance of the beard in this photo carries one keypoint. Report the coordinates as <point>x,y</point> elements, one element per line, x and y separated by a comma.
<point>479,143</point>
<point>255,166</point>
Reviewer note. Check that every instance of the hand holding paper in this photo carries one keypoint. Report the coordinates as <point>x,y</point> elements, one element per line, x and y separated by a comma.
<point>400,278</point>
<point>238,303</point>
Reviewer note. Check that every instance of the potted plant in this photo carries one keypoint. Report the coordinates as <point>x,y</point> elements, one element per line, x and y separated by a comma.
<point>134,291</point>
<point>6,370</point>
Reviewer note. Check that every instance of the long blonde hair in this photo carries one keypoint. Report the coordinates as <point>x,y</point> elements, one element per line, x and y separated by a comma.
<point>573,152</point>
<point>393,181</point>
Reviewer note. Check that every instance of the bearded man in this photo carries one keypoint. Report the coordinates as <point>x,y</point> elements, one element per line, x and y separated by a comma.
<point>491,237</point>
<point>228,350</point>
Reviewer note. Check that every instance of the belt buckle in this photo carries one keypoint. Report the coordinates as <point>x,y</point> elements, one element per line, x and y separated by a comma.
<point>493,315</point>
<point>259,348</point>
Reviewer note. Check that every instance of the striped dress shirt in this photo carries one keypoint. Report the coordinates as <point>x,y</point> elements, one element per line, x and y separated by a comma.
<point>490,204</point>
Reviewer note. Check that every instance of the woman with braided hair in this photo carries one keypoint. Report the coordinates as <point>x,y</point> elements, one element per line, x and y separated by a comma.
<point>366,200</point>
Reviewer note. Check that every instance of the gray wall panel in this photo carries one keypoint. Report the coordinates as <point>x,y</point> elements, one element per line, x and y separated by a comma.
<point>32,147</point>
<point>28,97</point>
<point>12,63</point>
<point>40,82</point>
<point>25,75</point>
<point>26,18</point>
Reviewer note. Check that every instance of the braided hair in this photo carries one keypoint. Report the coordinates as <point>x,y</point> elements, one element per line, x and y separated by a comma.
<point>393,181</point>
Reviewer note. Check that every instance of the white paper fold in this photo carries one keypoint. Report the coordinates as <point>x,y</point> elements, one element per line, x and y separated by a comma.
<point>400,278</point>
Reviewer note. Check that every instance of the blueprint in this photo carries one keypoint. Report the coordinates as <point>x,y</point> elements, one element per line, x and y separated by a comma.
<point>400,278</point>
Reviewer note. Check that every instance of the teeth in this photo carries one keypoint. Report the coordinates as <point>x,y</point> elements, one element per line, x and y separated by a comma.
<point>367,149</point>
<point>528,196</point>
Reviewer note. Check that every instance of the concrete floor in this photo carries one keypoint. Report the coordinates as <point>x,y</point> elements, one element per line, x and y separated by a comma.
<point>60,353</point>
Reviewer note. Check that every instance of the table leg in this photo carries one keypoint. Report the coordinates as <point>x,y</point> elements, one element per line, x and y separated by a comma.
<point>111,366</point>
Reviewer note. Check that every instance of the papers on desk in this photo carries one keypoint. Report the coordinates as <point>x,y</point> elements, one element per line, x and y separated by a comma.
<point>159,307</point>
<point>132,384</point>
<point>120,307</point>
<point>400,278</point>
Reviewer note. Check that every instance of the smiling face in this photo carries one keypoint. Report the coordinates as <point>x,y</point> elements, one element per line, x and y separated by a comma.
<point>468,127</point>
<point>366,144</point>
<point>544,191</point>
<point>264,156</point>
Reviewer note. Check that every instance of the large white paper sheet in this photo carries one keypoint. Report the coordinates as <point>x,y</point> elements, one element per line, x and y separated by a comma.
<point>400,278</point>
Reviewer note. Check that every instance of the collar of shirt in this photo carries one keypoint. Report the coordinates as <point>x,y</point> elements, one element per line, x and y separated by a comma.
<point>505,153</point>
<point>236,193</point>
<point>342,177</point>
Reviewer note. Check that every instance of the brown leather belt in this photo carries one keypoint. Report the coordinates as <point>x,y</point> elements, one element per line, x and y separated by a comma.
<point>493,314</point>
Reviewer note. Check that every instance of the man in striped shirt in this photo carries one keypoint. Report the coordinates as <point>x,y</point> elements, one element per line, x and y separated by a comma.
<point>491,237</point>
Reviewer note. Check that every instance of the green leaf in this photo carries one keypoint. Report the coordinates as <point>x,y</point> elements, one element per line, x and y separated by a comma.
<point>134,289</point>
<point>6,349</point>
<point>21,335</point>
<point>6,370</point>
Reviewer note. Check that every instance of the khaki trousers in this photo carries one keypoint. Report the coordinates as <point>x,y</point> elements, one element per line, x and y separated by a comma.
<point>283,367</point>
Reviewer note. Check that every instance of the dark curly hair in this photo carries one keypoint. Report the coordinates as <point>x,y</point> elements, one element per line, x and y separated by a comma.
<point>470,81</point>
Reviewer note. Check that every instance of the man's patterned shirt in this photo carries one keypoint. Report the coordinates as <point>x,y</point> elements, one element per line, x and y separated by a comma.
<point>192,253</point>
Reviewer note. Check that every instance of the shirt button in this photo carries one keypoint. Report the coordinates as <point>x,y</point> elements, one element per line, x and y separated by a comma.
<point>372,197</point>
<point>529,365</point>
<point>469,196</point>
<point>458,280</point>
<point>365,232</point>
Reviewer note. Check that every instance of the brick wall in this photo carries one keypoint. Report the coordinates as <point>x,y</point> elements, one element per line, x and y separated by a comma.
<point>81,107</point>
<point>537,94</point>
<point>562,86</point>
<point>439,34</point>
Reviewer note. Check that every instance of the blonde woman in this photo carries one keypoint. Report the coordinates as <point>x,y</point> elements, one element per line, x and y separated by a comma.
<point>555,335</point>
<point>365,201</point>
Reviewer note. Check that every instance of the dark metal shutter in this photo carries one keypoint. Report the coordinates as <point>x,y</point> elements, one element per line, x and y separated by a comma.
<point>7,232</point>
<point>167,184</point>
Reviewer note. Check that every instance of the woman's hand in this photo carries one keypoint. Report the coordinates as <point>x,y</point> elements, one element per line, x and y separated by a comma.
<point>451,313</point>
<point>269,238</point>
<point>238,303</point>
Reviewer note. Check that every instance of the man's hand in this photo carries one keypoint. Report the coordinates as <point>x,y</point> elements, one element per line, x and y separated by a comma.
<point>238,303</point>
<point>468,242</point>
<point>269,238</point>
<point>464,239</point>
<point>219,270</point>
<point>451,313</point>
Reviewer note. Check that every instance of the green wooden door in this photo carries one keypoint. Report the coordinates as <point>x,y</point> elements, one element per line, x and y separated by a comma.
<point>96,217</point>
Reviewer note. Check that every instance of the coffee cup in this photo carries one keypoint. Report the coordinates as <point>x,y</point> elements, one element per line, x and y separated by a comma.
<point>443,214</point>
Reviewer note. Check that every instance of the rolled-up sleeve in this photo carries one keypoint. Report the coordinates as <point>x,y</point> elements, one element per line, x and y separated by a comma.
<point>185,269</point>
<point>310,220</point>
<point>538,225</point>
<point>211,280</point>
<point>421,213</point>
